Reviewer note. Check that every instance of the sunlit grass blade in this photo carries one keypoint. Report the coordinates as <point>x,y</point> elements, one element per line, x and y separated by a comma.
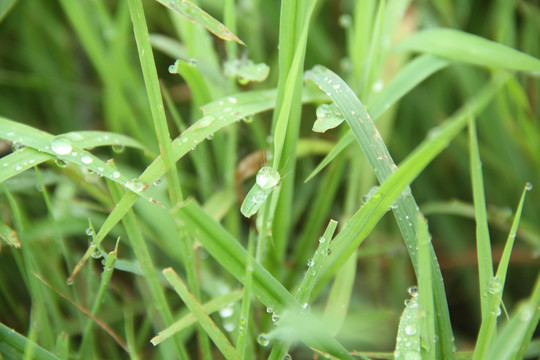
<point>487,333</point>
<point>394,182</point>
<point>197,15</point>
<point>407,79</point>
<point>189,319</point>
<point>483,245</point>
<point>461,46</point>
<point>14,344</point>
<point>202,317</point>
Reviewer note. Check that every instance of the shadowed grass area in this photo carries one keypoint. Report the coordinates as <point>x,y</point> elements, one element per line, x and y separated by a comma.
<point>214,179</point>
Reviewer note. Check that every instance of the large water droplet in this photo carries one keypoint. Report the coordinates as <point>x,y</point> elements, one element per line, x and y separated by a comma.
<point>89,231</point>
<point>61,163</point>
<point>16,146</point>
<point>226,312</point>
<point>310,262</point>
<point>86,159</point>
<point>263,340</point>
<point>61,146</point>
<point>118,148</point>
<point>495,285</point>
<point>410,329</point>
<point>528,186</point>
<point>267,178</point>
<point>413,290</point>
<point>115,174</point>
<point>135,185</point>
<point>496,311</point>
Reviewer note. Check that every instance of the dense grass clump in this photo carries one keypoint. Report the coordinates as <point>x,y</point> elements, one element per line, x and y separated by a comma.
<point>253,179</point>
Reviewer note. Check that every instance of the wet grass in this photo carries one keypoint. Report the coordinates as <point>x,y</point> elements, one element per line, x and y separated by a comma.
<point>163,194</point>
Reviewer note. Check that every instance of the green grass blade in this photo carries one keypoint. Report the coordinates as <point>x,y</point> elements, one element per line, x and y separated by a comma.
<point>151,81</point>
<point>425,292</point>
<point>405,208</point>
<point>483,245</point>
<point>407,79</point>
<point>197,15</point>
<point>472,49</point>
<point>184,322</point>
<point>487,333</point>
<point>202,317</point>
<point>5,7</point>
<point>13,346</point>
<point>243,322</point>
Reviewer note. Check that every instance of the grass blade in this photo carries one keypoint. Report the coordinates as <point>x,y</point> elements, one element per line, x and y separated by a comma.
<point>197,15</point>
<point>14,344</point>
<point>202,317</point>
<point>483,244</point>
<point>461,46</point>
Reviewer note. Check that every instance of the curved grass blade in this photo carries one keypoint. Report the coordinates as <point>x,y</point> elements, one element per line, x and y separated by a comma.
<point>394,182</point>
<point>461,46</point>
<point>408,78</point>
<point>408,336</point>
<point>5,7</point>
<point>197,15</point>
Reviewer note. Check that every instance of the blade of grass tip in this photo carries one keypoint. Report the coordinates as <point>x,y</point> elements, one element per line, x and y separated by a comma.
<point>108,270</point>
<point>487,333</point>
<point>405,208</point>
<point>184,322</point>
<point>243,322</point>
<point>374,50</point>
<point>311,276</point>
<point>407,79</point>
<point>13,344</point>
<point>461,46</point>
<point>203,319</point>
<point>515,338</point>
<point>197,15</point>
<point>485,263</point>
<point>151,82</point>
<point>425,292</point>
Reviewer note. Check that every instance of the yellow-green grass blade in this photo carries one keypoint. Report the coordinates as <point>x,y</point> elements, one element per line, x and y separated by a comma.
<point>197,15</point>
<point>202,317</point>
<point>483,245</point>
<point>407,79</point>
<point>394,181</point>
<point>487,334</point>
<point>472,49</point>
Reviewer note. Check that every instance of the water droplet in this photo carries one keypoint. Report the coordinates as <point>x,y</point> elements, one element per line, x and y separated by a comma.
<point>336,86</point>
<point>377,86</point>
<point>115,174</point>
<point>192,62</point>
<point>135,185</point>
<point>345,20</point>
<point>310,262</point>
<point>16,146</point>
<point>61,163</point>
<point>226,312</point>
<point>496,311</point>
<point>275,317</point>
<point>328,251</point>
<point>528,186</point>
<point>259,197</point>
<point>205,121</point>
<point>39,187</point>
<point>89,231</point>
<point>267,178</point>
<point>270,139</point>
<point>157,182</point>
<point>263,340</point>
<point>95,253</point>
<point>173,69</point>
<point>18,168</point>
<point>210,136</point>
<point>370,194</point>
<point>118,148</point>
<point>86,159</point>
<point>410,329</point>
<point>394,206</point>
<point>248,119</point>
<point>229,326</point>
<point>61,146</point>
<point>269,310</point>
<point>232,100</point>
<point>495,285</point>
<point>287,357</point>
